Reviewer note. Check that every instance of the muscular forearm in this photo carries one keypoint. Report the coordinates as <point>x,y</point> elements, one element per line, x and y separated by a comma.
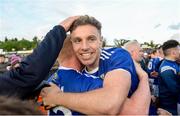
<point>139,102</point>
<point>107,100</point>
<point>94,102</point>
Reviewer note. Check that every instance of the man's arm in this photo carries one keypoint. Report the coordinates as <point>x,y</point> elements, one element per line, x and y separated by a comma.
<point>22,80</point>
<point>34,67</point>
<point>139,102</point>
<point>106,100</point>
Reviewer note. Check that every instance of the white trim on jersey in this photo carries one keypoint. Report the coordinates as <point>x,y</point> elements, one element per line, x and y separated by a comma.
<point>102,58</point>
<point>105,56</point>
<point>93,71</point>
<point>122,70</point>
<point>164,68</point>
<point>92,76</point>
<point>66,68</point>
<point>109,54</point>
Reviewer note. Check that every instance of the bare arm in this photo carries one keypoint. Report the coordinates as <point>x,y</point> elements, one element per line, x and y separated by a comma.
<point>139,102</point>
<point>107,100</point>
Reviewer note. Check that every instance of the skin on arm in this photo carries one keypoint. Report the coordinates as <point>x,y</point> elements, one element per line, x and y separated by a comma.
<point>106,100</point>
<point>139,102</point>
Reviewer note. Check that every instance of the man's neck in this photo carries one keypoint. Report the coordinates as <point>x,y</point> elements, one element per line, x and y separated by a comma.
<point>72,63</point>
<point>170,58</point>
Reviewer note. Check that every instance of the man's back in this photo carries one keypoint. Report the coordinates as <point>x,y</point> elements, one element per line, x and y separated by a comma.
<point>169,85</point>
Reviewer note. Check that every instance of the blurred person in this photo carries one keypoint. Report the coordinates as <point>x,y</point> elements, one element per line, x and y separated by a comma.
<point>134,48</point>
<point>22,81</point>
<point>14,62</point>
<point>3,64</point>
<point>146,58</point>
<point>169,86</point>
<point>153,68</point>
<point>15,106</point>
<point>113,65</point>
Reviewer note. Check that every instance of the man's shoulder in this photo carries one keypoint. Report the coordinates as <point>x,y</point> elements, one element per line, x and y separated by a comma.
<point>114,49</point>
<point>169,63</point>
<point>114,52</point>
<point>168,66</point>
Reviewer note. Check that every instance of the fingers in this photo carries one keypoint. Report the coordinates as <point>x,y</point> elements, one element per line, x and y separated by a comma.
<point>68,22</point>
<point>46,105</point>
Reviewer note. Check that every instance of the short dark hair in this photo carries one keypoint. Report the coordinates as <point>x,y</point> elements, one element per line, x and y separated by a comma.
<point>168,45</point>
<point>2,55</point>
<point>14,106</point>
<point>84,20</point>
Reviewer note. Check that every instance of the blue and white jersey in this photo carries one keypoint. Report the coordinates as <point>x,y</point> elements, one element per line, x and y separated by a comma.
<point>169,86</point>
<point>116,58</point>
<point>179,93</point>
<point>153,65</point>
<point>70,80</point>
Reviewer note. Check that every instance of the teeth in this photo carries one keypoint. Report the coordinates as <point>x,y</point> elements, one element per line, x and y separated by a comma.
<point>86,54</point>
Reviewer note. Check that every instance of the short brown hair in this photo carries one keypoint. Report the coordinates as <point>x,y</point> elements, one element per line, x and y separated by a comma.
<point>85,20</point>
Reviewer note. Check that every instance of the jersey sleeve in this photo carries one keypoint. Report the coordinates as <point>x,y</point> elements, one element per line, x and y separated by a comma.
<point>121,59</point>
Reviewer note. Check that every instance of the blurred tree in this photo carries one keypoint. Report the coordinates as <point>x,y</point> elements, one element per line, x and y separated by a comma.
<point>104,42</point>
<point>13,43</point>
<point>120,42</point>
<point>6,39</point>
<point>151,44</point>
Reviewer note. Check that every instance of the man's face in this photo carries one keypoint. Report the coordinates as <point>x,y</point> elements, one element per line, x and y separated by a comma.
<point>2,59</point>
<point>138,54</point>
<point>177,53</point>
<point>86,41</point>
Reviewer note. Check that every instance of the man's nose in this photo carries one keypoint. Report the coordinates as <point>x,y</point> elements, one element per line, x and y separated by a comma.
<point>85,45</point>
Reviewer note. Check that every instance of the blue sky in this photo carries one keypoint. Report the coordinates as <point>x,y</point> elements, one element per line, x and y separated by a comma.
<point>143,20</point>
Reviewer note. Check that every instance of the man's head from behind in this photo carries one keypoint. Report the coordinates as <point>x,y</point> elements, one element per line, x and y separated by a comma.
<point>134,48</point>
<point>67,57</point>
<point>171,49</point>
<point>87,41</point>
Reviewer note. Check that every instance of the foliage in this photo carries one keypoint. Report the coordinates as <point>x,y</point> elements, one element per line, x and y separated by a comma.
<point>151,44</point>
<point>15,45</point>
<point>120,42</point>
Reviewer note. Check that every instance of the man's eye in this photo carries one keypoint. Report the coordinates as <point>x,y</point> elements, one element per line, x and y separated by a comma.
<point>92,39</point>
<point>76,41</point>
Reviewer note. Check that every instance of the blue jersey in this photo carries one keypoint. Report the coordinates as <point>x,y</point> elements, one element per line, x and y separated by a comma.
<point>169,85</point>
<point>69,80</point>
<point>153,65</point>
<point>116,58</point>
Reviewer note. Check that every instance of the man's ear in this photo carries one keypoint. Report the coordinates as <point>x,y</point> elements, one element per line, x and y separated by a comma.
<point>101,41</point>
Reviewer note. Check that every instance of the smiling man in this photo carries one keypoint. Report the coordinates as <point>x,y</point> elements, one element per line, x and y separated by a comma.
<point>113,65</point>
